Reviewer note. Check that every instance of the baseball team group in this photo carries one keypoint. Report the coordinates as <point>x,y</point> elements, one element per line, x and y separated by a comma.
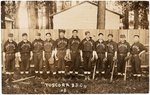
<point>71,56</point>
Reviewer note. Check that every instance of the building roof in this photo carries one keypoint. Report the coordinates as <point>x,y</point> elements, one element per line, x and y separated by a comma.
<point>83,3</point>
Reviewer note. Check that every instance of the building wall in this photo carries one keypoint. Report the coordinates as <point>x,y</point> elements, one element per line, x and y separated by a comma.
<point>81,17</point>
<point>112,21</point>
<point>8,24</point>
<point>84,16</point>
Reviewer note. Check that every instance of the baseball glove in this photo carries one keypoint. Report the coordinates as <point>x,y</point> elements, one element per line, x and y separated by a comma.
<point>51,60</point>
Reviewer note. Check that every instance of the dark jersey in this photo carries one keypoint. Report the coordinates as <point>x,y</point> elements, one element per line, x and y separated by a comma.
<point>123,47</point>
<point>111,46</point>
<point>136,48</point>
<point>24,47</point>
<point>10,47</point>
<point>100,47</point>
<point>37,45</point>
<point>49,45</point>
<point>62,44</point>
<point>87,45</point>
<point>74,44</point>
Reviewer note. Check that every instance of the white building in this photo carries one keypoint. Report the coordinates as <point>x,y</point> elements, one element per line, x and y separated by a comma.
<point>84,16</point>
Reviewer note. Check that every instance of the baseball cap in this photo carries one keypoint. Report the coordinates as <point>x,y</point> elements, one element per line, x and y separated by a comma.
<point>38,34</point>
<point>10,35</point>
<point>122,36</point>
<point>24,34</point>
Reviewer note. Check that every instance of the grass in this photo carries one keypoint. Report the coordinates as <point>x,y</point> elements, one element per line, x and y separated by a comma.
<point>38,86</point>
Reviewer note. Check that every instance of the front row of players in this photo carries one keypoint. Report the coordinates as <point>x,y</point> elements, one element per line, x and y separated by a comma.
<point>72,56</point>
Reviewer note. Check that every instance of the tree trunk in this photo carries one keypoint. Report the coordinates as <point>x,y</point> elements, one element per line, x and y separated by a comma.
<point>136,19</point>
<point>3,14</point>
<point>146,24</point>
<point>136,16</point>
<point>47,13</point>
<point>63,5</point>
<point>16,20</point>
<point>36,15</point>
<point>52,11</point>
<point>33,15</point>
<point>101,15</point>
<point>126,19</point>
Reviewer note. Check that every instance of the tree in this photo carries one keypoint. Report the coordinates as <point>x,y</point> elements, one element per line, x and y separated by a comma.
<point>140,9</point>
<point>3,14</point>
<point>101,15</point>
<point>50,9</point>
<point>53,10</point>
<point>126,14</point>
<point>136,15</point>
<point>15,14</point>
<point>33,14</point>
<point>47,13</point>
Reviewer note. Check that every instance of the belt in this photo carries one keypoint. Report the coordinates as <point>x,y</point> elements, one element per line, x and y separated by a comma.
<point>100,53</point>
<point>10,53</point>
<point>122,54</point>
<point>111,53</point>
<point>74,51</point>
<point>135,55</point>
<point>47,52</point>
<point>25,53</point>
<point>88,51</point>
<point>37,52</point>
<point>61,50</point>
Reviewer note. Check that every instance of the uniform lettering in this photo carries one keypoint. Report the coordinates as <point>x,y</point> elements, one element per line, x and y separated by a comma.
<point>136,48</point>
<point>122,45</point>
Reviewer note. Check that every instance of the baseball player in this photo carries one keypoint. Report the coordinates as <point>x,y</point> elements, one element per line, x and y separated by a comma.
<point>48,54</point>
<point>37,49</point>
<point>74,42</point>
<point>87,51</point>
<point>61,52</point>
<point>123,53</point>
<point>136,50</point>
<point>24,54</point>
<point>111,55</point>
<point>9,54</point>
<point>101,50</point>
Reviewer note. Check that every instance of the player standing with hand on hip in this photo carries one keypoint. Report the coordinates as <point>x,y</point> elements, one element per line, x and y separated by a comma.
<point>123,54</point>
<point>136,50</point>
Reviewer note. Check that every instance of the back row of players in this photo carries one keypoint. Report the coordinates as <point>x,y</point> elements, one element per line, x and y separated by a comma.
<point>72,56</point>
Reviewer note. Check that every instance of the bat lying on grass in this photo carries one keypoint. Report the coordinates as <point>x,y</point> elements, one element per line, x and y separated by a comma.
<point>22,79</point>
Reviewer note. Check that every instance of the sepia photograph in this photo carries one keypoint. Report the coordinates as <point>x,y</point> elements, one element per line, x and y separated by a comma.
<point>75,47</point>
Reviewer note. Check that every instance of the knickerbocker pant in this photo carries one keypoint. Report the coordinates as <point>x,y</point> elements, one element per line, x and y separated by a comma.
<point>136,64</point>
<point>75,61</point>
<point>10,62</point>
<point>121,63</point>
<point>100,63</point>
<point>25,62</point>
<point>87,61</point>
<point>38,61</point>
<point>109,62</point>
<point>61,61</point>
<point>49,67</point>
